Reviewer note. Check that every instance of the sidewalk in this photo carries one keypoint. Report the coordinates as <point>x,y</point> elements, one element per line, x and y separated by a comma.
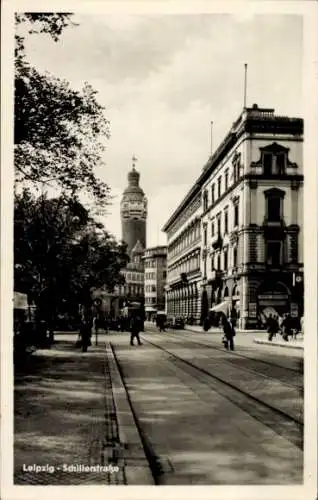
<point>258,336</point>
<point>71,418</point>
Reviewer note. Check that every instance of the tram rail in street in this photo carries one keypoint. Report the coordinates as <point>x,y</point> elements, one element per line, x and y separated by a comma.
<point>233,356</point>
<point>283,423</point>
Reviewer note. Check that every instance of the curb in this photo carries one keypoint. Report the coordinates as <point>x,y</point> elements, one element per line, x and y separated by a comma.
<point>278,344</point>
<point>137,469</point>
<point>220,331</point>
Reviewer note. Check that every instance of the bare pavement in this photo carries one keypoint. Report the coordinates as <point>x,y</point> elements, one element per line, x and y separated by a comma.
<point>133,415</point>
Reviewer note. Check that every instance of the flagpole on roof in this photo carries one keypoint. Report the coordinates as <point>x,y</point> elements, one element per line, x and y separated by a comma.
<point>245,84</point>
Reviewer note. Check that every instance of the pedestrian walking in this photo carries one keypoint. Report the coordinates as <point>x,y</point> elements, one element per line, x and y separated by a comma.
<point>135,328</point>
<point>161,323</point>
<point>85,333</point>
<point>229,333</point>
<point>286,326</point>
<point>296,326</point>
<point>270,326</point>
<point>96,325</point>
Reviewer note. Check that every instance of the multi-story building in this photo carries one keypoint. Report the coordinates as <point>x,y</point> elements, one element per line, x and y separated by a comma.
<point>183,231</point>
<point>133,289</point>
<point>251,219</point>
<point>155,262</point>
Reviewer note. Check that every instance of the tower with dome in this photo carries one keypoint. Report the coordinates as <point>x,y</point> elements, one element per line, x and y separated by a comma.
<point>133,212</point>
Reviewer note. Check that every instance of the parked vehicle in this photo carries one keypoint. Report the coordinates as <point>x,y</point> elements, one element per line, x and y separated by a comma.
<point>175,322</point>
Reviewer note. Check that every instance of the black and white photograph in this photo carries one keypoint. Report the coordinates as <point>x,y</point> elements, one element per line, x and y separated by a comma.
<point>156,292</point>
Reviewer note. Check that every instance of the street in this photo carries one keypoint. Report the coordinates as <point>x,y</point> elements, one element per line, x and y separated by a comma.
<point>177,410</point>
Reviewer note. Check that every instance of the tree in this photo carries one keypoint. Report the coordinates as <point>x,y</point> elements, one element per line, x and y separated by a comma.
<point>61,253</point>
<point>59,132</point>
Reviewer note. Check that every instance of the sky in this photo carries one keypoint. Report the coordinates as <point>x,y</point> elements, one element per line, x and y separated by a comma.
<point>162,80</point>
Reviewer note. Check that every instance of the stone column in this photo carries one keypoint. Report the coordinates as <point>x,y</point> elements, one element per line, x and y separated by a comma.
<point>244,300</point>
<point>294,202</point>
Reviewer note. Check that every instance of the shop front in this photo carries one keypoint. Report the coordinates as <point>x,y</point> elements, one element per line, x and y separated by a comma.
<point>274,300</point>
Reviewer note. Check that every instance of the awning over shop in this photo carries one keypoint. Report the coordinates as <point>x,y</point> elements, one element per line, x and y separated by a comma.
<point>223,307</point>
<point>150,309</point>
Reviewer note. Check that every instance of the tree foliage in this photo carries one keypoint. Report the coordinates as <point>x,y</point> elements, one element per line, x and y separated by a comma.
<point>59,132</point>
<point>60,252</point>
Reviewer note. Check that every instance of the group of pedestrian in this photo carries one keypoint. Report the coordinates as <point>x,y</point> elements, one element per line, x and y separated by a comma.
<point>288,326</point>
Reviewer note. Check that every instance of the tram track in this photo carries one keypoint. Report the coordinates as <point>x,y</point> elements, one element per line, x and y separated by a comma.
<point>238,352</point>
<point>283,423</point>
<point>233,358</point>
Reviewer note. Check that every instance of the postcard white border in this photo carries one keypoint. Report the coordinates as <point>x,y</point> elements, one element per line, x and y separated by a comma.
<point>309,11</point>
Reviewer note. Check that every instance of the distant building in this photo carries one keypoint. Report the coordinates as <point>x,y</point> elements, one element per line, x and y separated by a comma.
<point>133,290</point>
<point>155,261</point>
<point>183,229</point>
<point>251,211</point>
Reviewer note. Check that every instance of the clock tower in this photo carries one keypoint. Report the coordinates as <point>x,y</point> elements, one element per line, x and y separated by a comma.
<point>133,211</point>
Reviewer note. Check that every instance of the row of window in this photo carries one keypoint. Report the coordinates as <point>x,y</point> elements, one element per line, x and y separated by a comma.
<point>274,256</point>
<point>220,260</point>
<point>159,262</point>
<point>187,266</point>
<point>274,213</point>
<point>139,277</point>
<point>150,300</point>
<point>131,290</point>
<point>185,239</point>
<point>216,223</point>
<point>150,288</point>
<point>218,188</point>
<point>150,276</point>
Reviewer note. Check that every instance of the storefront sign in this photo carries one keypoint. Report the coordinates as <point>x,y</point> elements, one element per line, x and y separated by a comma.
<point>273,296</point>
<point>272,302</point>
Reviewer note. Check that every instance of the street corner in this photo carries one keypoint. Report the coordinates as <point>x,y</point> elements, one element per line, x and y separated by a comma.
<point>289,345</point>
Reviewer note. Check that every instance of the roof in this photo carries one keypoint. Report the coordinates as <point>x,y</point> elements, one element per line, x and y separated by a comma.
<point>251,120</point>
<point>138,248</point>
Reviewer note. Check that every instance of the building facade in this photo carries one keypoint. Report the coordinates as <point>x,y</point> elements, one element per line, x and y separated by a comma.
<point>155,268</point>
<point>133,289</point>
<point>251,193</point>
<point>183,231</point>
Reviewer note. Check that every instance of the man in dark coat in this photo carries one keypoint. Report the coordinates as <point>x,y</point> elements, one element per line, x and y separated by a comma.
<point>85,333</point>
<point>229,333</point>
<point>135,328</point>
<point>286,326</point>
